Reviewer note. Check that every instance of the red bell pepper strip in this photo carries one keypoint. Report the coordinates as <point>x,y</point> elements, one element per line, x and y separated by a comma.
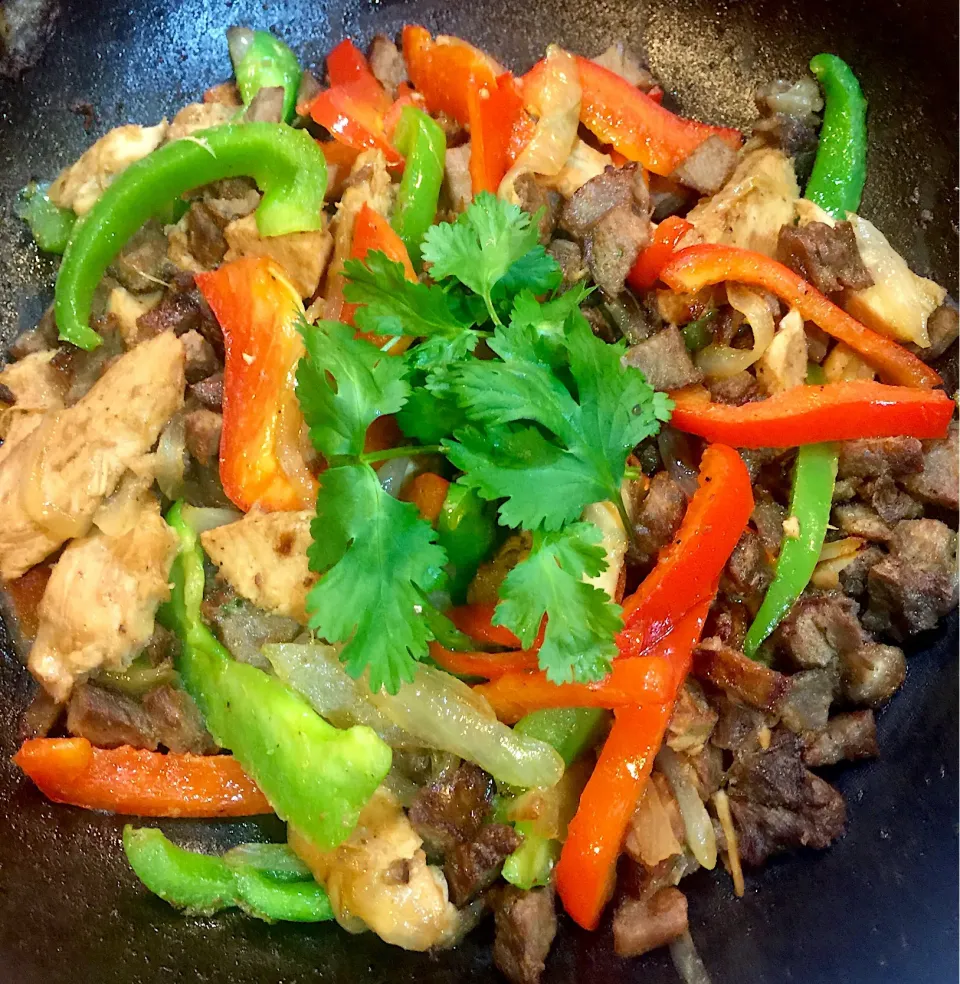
<point>405,97</point>
<point>689,568</point>
<point>476,621</point>
<point>354,115</point>
<point>139,783</point>
<point>620,114</point>
<point>646,271</point>
<point>346,62</point>
<point>812,414</point>
<point>699,266</point>
<point>494,111</point>
<point>586,871</point>
<point>427,492</point>
<point>260,458</point>
<point>444,70</point>
<point>486,665</point>
<point>372,232</point>
<point>637,680</point>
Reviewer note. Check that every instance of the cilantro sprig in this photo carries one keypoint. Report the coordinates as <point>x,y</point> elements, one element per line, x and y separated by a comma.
<point>539,418</point>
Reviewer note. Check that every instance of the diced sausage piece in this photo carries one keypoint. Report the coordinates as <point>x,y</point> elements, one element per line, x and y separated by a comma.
<point>264,557</point>
<point>77,457</point>
<point>825,256</point>
<point>708,167</point>
<point>664,360</point>
<point>526,924</point>
<point>642,925</point>
<point>847,738</point>
<point>98,607</point>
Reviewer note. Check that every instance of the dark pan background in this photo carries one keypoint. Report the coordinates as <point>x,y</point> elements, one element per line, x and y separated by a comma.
<point>881,906</point>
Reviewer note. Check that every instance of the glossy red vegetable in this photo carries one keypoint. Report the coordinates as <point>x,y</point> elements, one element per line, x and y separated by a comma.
<point>646,271</point>
<point>346,62</point>
<point>490,666</point>
<point>699,266</point>
<point>477,622</point>
<point>494,113</point>
<point>354,113</point>
<point>688,569</point>
<point>586,871</point>
<point>620,114</point>
<point>260,458</point>
<point>140,783</point>
<point>812,414</point>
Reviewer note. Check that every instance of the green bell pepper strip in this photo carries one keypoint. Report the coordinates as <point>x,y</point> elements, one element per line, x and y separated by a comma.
<point>697,334</point>
<point>810,501</point>
<point>531,864</point>
<point>278,861</point>
<point>840,168</point>
<point>467,530</point>
<point>287,164</point>
<point>423,145</point>
<point>200,884</point>
<point>49,224</point>
<point>268,62</point>
<point>570,730</point>
<point>315,776</point>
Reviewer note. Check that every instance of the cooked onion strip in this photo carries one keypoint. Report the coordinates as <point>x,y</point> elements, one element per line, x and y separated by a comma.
<point>721,361</point>
<point>701,839</point>
<point>722,804</point>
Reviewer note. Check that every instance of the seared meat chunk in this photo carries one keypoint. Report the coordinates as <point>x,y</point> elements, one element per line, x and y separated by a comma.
<point>768,516</point>
<point>200,358</point>
<point>613,245</point>
<point>28,388</point>
<point>40,716</point>
<point>205,238</point>
<point>818,630</point>
<point>747,572</point>
<point>778,804</point>
<point>916,585</point>
<point>642,925</point>
<point>939,482</point>
<point>533,197</point>
<point>664,360</point>
<point>264,557</point>
<point>874,457</point>
<point>806,705</point>
<point>624,187</point>
<point>847,737</point>
<point>826,256</point>
<point>451,811</point>
<point>221,107</point>
<point>209,391</point>
<point>740,388</point>
<point>692,721</point>
<point>708,168</point>
<point>873,673</point>
<point>857,519</point>
<point>659,515</point>
<point>98,606</point>
<point>739,727</point>
<point>943,326</point>
<point>108,719</point>
<point>387,64</point>
<point>744,678</point>
<point>202,434</point>
<point>142,265</point>
<point>474,866</point>
<point>360,877</point>
<point>182,309</point>
<point>890,504</point>
<point>266,106</point>
<point>245,629</point>
<point>853,578</point>
<point>526,923</point>
<point>570,259</point>
<point>177,722</point>
<point>77,457</point>
<point>456,177</point>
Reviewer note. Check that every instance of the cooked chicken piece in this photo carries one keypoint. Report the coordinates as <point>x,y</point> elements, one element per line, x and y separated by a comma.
<point>784,364</point>
<point>303,255</point>
<point>97,610</point>
<point>35,385</point>
<point>199,116</point>
<point>751,207</point>
<point>379,879</point>
<point>844,364</point>
<point>456,177</point>
<point>264,558</point>
<point>80,185</point>
<point>126,308</point>
<point>52,482</point>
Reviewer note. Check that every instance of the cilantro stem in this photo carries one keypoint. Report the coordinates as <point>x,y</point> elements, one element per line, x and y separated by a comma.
<point>406,450</point>
<point>625,519</point>
<point>488,300</point>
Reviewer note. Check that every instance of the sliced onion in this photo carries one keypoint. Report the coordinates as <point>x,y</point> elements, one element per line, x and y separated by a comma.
<point>583,164</point>
<point>677,457</point>
<point>722,804</point>
<point>436,711</point>
<point>701,838</point>
<point>170,458</point>
<point>239,40</point>
<point>203,518</point>
<point>394,472</point>
<point>556,105</point>
<point>722,361</point>
<point>687,961</point>
<point>119,513</point>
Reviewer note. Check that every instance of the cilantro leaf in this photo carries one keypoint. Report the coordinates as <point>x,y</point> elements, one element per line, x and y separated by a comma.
<point>481,246</point>
<point>537,331</point>
<point>377,558</point>
<point>430,417</point>
<point>390,304</point>
<point>581,620</point>
<point>343,385</point>
<point>536,271</point>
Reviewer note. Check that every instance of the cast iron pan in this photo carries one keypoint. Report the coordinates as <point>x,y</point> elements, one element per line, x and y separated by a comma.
<point>879,907</point>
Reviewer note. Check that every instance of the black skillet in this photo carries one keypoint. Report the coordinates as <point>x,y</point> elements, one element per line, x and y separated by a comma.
<point>879,907</point>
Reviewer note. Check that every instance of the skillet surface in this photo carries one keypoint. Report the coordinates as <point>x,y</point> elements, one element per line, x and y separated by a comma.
<point>879,907</point>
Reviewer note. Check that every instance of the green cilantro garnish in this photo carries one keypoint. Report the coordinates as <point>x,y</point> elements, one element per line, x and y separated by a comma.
<point>537,415</point>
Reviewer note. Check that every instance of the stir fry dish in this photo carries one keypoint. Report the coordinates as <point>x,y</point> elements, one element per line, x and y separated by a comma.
<point>503,479</point>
